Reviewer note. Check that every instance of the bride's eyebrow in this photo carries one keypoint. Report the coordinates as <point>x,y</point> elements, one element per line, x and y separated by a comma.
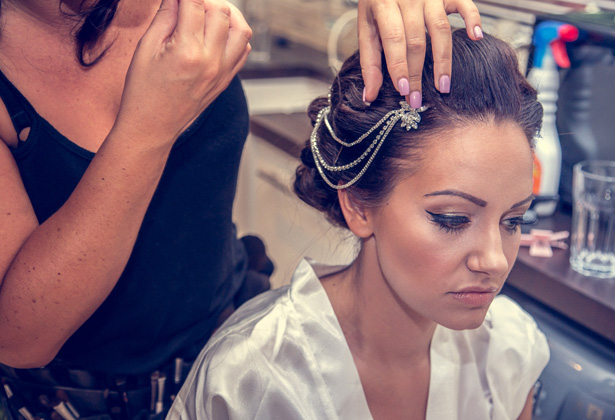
<point>522,202</point>
<point>469,197</point>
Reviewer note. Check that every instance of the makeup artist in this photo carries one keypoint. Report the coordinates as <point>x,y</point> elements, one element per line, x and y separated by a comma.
<point>122,125</point>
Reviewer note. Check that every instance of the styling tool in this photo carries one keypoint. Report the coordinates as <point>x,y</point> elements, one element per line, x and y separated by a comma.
<point>160,401</point>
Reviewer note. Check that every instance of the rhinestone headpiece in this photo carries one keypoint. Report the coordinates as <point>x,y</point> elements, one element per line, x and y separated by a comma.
<point>409,117</point>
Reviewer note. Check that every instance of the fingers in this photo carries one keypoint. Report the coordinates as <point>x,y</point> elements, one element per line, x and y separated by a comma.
<point>370,47</point>
<point>238,46</point>
<point>217,25</point>
<point>218,28</point>
<point>469,12</point>
<point>390,23</point>
<point>398,28</point>
<point>242,60</point>
<point>439,29</point>
<point>188,55</point>
<point>414,27</point>
<point>165,21</point>
<point>190,19</point>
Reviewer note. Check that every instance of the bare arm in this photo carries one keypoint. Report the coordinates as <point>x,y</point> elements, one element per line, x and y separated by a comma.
<point>398,28</point>
<point>526,414</point>
<point>54,276</point>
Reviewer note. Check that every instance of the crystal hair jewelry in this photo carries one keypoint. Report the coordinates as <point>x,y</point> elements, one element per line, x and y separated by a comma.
<point>409,117</point>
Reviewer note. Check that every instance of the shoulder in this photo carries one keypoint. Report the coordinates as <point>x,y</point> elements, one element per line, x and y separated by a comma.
<point>264,362</point>
<point>223,366</point>
<point>507,331</point>
<point>516,354</point>
<point>508,344</point>
<point>236,367</point>
<point>489,371</point>
<point>254,323</point>
<point>514,333</point>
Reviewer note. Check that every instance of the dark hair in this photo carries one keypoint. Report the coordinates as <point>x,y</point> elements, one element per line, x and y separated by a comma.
<point>487,87</point>
<point>93,22</point>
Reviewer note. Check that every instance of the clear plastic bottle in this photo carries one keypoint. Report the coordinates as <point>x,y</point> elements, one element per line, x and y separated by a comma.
<point>548,152</point>
<point>549,55</point>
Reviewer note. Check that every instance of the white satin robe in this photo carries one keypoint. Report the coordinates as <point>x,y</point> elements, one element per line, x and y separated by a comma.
<point>283,356</point>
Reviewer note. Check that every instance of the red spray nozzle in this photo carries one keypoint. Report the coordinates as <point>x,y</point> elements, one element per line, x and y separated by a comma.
<point>566,33</point>
<point>554,34</point>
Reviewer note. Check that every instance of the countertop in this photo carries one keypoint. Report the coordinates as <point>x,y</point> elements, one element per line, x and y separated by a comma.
<point>587,301</point>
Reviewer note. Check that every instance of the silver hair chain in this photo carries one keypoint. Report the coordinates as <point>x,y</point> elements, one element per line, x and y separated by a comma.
<point>410,118</point>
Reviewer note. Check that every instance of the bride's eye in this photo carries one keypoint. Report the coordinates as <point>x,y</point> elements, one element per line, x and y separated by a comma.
<point>512,225</point>
<point>450,223</point>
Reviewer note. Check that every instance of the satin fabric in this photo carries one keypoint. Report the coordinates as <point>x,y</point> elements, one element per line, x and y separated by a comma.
<point>283,356</point>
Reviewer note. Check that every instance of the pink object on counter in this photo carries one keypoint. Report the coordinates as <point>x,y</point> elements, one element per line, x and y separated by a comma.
<point>541,242</point>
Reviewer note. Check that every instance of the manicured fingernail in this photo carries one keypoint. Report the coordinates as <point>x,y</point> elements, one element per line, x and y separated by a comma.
<point>416,100</point>
<point>444,84</point>
<point>478,32</point>
<point>403,86</point>
<point>364,101</point>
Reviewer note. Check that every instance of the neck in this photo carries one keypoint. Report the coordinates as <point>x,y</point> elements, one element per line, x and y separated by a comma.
<point>48,27</point>
<point>59,14</point>
<point>376,323</point>
<point>49,13</point>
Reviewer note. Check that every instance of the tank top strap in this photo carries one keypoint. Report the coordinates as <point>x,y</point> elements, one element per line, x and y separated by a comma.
<point>20,110</point>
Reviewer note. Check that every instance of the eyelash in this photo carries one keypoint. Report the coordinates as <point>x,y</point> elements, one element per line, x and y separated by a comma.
<point>455,224</point>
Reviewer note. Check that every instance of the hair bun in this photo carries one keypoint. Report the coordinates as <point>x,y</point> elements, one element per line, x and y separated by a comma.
<point>312,190</point>
<point>307,158</point>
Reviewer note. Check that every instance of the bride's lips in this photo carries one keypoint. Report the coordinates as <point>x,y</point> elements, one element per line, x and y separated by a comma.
<point>475,296</point>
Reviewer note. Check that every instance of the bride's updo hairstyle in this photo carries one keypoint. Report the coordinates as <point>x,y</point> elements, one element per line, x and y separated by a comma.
<point>487,87</point>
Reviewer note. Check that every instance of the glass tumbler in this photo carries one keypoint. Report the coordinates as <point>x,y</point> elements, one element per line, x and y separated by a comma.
<point>592,247</point>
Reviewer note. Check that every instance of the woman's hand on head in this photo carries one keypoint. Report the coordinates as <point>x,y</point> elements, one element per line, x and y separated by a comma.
<point>185,59</point>
<point>398,28</point>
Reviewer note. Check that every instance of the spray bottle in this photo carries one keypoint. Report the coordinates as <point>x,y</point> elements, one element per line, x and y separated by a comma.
<point>549,54</point>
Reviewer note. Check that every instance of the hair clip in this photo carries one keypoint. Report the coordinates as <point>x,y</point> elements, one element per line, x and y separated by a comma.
<point>541,241</point>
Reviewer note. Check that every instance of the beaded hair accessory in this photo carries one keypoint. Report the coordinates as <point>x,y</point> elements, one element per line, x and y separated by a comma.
<point>409,117</point>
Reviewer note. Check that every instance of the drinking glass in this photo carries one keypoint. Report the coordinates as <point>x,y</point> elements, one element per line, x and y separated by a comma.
<point>592,247</point>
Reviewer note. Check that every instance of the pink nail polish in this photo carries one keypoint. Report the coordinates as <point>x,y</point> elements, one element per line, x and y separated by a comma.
<point>403,86</point>
<point>364,101</point>
<point>478,32</point>
<point>444,85</point>
<point>416,100</point>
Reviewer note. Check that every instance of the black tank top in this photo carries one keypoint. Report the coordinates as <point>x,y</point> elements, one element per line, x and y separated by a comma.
<point>186,264</point>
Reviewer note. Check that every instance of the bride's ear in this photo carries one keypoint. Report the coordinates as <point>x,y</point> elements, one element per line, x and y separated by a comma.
<point>357,218</point>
